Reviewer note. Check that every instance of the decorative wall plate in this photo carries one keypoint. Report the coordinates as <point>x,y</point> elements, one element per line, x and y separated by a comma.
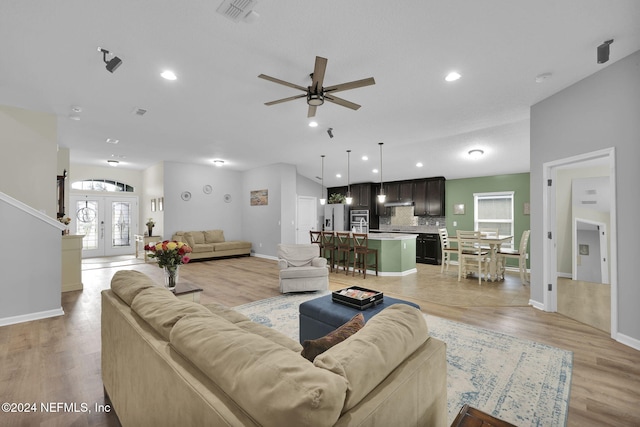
<point>186,196</point>
<point>227,198</point>
<point>207,189</point>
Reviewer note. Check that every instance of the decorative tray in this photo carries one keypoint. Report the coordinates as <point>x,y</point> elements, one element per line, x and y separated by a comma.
<point>357,297</point>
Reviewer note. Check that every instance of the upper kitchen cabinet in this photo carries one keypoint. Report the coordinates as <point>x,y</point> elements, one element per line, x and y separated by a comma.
<point>428,197</point>
<point>399,191</point>
<point>361,194</point>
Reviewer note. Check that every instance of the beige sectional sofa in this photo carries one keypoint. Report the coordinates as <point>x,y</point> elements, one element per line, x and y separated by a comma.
<point>171,362</point>
<point>211,244</point>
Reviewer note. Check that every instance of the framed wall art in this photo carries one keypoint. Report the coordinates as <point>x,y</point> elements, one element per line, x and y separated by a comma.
<point>259,197</point>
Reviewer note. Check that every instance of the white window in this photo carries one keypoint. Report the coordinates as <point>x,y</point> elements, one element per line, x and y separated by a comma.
<point>494,211</point>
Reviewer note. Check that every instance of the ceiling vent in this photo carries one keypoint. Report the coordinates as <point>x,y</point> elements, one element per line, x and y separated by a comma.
<point>139,111</point>
<point>236,10</point>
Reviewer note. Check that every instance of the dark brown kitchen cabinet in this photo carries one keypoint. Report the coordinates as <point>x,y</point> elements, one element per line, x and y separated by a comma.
<point>361,194</point>
<point>428,249</point>
<point>428,197</point>
<point>406,191</point>
<point>399,191</point>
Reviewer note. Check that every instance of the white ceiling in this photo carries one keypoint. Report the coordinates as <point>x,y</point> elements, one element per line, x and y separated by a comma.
<point>49,62</point>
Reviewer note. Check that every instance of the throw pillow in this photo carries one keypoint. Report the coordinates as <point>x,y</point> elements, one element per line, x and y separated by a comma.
<point>313,348</point>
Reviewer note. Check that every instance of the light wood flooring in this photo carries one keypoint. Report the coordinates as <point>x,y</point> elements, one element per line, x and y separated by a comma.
<point>58,359</point>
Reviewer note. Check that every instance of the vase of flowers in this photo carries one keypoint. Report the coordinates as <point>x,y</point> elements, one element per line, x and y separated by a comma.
<point>150,224</point>
<point>170,255</point>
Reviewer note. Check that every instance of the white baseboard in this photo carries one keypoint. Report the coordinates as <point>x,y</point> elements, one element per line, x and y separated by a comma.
<point>536,304</point>
<point>31,316</point>
<point>271,257</point>
<point>628,341</point>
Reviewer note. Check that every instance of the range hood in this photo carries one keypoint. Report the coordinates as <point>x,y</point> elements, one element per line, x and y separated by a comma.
<point>391,204</point>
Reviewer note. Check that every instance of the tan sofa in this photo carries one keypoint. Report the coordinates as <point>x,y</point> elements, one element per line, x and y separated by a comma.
<point>211,244</point>
<point>167,361</point>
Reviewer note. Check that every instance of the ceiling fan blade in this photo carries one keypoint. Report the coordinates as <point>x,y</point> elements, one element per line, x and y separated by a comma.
<point>282,82</point>
<point>279,101</point>
<point>351,85</point>
<point>318,73</point>
<point>341,101</point>
<point>312,111</point>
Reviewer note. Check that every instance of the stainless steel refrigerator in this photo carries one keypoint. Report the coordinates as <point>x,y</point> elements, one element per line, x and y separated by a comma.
<point>336,217</point>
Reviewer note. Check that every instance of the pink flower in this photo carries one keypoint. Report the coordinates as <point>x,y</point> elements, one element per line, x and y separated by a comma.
<point>185,259</point>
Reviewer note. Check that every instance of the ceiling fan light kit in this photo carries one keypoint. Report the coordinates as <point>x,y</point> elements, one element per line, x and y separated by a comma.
<point>316,93</point>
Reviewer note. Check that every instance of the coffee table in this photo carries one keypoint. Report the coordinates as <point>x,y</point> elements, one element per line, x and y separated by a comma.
<point>187,292</point>
<point>472,417</point>
<point>321,315</point>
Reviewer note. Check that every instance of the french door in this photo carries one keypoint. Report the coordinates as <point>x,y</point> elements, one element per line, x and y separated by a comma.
<point>107,223</point>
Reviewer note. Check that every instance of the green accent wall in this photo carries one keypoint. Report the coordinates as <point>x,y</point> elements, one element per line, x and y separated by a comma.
<point>462,190</point>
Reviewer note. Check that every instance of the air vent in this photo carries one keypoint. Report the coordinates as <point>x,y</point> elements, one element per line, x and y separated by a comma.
<point>139,111</point>
<point>589,202</point>
<point>591,192</point>
<point>236,10</point>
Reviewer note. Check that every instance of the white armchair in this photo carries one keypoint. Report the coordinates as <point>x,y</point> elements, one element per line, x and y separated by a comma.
<point>301,268</point>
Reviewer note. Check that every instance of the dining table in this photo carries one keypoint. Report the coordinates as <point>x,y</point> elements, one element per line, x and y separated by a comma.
<point>493,243</point>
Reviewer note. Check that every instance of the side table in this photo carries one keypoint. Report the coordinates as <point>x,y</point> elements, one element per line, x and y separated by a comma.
<point>187,292</point>
<point>472,417</point>
<point>144,240</point>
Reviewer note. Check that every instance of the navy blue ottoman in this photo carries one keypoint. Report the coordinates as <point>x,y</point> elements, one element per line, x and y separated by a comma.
<point>320,316</point>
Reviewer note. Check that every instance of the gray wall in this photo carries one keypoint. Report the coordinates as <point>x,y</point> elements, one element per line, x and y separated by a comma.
<point>599,112</point>
<point>202,211</point>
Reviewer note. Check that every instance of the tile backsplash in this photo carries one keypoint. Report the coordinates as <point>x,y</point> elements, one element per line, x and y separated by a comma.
<point>403,217</point>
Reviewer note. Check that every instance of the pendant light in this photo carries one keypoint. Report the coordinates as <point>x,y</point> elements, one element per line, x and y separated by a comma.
<point>381,196</point>
<point>322,199</point>
<point>348,199</point>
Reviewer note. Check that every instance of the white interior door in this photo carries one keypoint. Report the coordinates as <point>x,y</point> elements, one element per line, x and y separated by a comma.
<point>107,222</point>
<point>307,218</point>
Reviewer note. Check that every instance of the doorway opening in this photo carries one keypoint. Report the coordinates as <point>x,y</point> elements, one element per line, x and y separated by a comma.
<point>560,214</point>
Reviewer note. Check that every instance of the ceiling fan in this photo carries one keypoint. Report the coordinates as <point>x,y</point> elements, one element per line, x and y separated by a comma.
<point>316,94</point>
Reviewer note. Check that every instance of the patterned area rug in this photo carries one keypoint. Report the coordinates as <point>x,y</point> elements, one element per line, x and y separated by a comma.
<point>523,382</point>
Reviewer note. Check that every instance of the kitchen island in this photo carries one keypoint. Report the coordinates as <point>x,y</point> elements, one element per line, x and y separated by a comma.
<point>396,253</point>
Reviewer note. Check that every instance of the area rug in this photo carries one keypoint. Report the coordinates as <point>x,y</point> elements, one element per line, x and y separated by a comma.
<point>523,382</point>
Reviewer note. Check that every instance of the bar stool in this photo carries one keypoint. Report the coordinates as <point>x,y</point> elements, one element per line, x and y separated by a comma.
<point>344,248</point>
<point>328,244</point>
<point>316,237</point>
<point>361,250</point>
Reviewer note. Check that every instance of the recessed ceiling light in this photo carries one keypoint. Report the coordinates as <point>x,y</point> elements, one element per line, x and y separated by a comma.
<point>419,164</point>
<point>476,153</point>
<point>452,76</point>
<point>338,175</point>
<point>74,117</point>
<point>113,163</point>
<point>76,109</point>
<point>374,170</point>
<point>313,124</point>
<point>112,141</point>
<point>365,158</point>
<point>169,75</point>
<point>218,162</point>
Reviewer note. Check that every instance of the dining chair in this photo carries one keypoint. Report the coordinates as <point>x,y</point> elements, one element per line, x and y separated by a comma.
<point>520,254</point>
<point>329,247</point>
<point>343,249</point>
<point>446,249</point>
<point>471,255</point>
<point>361,252</point>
